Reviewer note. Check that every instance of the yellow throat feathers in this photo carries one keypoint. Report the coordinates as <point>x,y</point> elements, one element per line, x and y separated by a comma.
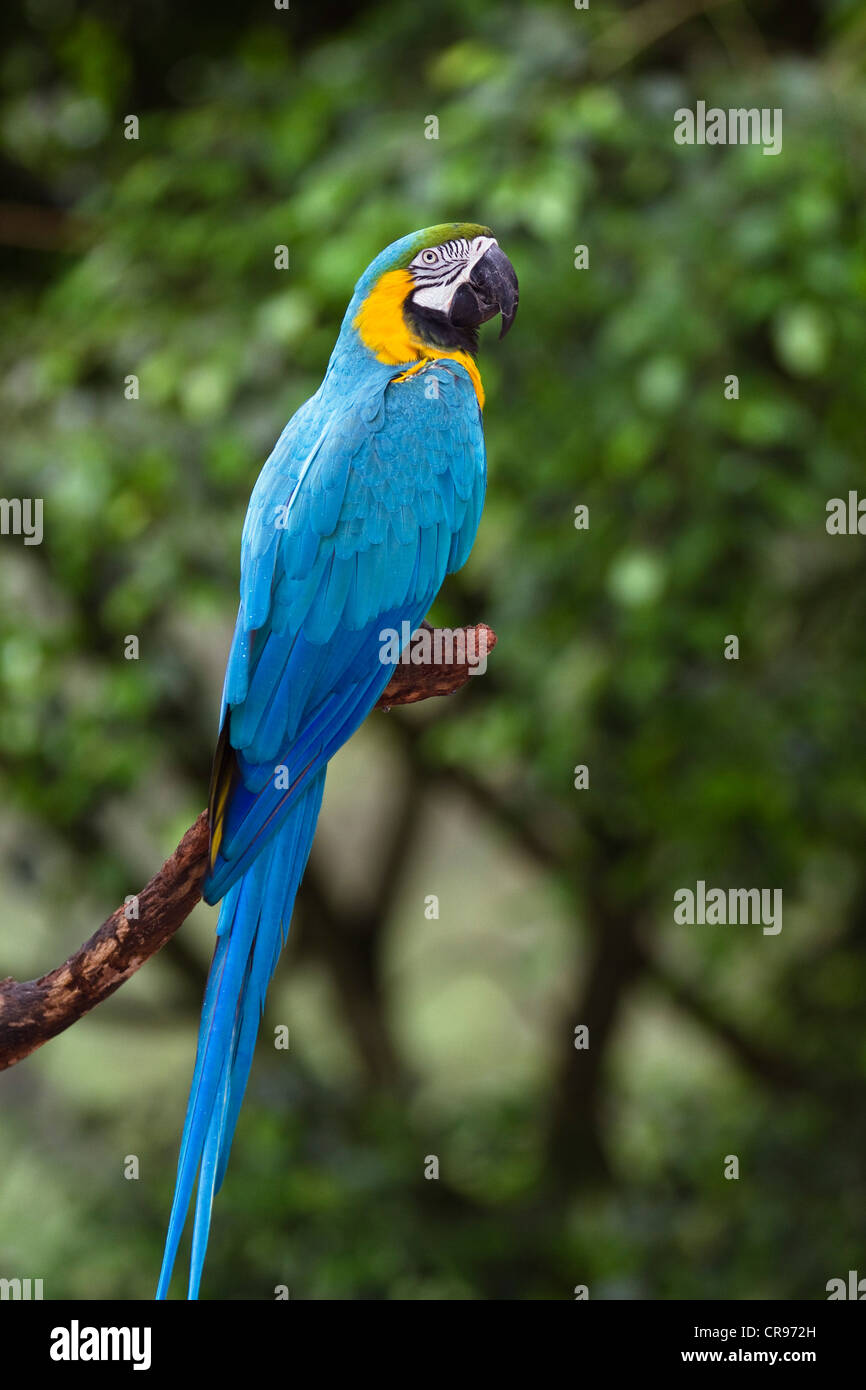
<point>382,328</point>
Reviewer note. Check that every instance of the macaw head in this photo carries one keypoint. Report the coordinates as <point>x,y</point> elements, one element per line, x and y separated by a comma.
<point>429,293</point>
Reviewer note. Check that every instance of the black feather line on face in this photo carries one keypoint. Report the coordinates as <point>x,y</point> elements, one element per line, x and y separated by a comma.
<point>433,328</point>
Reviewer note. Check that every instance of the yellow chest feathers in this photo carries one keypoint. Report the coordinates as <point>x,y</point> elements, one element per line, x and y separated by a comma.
<point>382,328</point>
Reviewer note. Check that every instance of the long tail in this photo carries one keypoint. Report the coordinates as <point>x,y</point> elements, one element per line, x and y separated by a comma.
<point>253,923</point>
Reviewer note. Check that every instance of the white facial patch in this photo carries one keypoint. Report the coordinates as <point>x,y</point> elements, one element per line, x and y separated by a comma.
<point>439,271</point>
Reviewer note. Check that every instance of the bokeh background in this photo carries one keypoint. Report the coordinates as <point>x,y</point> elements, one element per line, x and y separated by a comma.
<point>452,1037</point>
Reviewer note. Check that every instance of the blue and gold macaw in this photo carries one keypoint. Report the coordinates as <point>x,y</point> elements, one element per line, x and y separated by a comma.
<point>371,496</point>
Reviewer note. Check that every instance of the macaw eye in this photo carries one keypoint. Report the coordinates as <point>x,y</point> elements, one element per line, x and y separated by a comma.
<point>429,257</point>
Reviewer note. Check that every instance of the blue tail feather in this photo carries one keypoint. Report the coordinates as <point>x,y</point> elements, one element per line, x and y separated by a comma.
<point>253,923</point>
<point>269,943</point>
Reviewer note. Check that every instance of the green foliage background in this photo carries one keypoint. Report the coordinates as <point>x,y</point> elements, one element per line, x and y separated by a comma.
<point>453,1037</point>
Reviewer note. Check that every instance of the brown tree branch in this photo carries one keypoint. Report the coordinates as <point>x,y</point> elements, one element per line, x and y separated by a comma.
<point>34,1011</point>
<point>413,681</point>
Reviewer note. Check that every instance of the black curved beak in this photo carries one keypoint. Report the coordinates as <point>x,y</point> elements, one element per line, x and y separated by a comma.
<point>491,289</point>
